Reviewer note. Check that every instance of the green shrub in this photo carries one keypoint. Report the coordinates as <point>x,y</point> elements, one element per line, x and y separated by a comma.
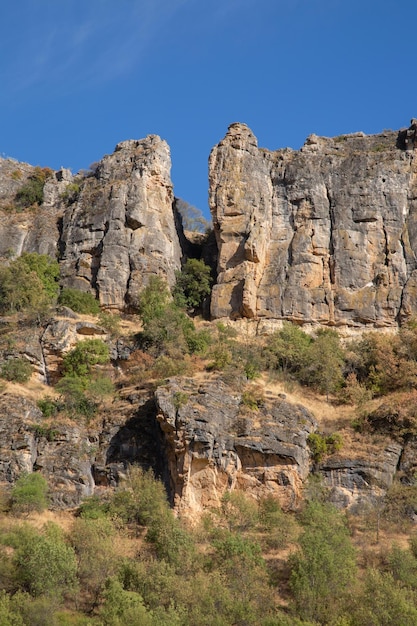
<point>48,565</point>
<point>29,282</point>
<point>29,493</point>
<point>74,399</point>
<point>16,370</point>
<point>80,360</point>
<point>48,406</point>
<point>31,193</point>
<point>321,445</point>
<point>79,301</point>
<point>193,284</point>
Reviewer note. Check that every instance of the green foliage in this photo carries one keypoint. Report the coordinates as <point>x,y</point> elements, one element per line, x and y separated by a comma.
<point>321,445</point>
<point>45,562</point>
<point>17,370</point>
<point>79,301</point>
<point>253,397</point>
<point>31,193</point>
<point>167,330</point>
<point>29,493</point>
<point>288,349</point>
<point>79,361</point>
<point>180,399</point>
<point>193,284</point>
<point>325,360</point>
<point>8,617</point>
<point>48,406</point>
<point>279,527</point>
<point>123,607</point>
<point>74,399</point>
<point>403,566</point>
<point>45,431</point>
<point>94,543</point>
<point>384,602</point>
<point>93,508</point>
<point>29,282</point>
<point>324,567</point>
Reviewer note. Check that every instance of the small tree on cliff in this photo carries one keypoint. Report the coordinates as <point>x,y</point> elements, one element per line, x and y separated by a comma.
<point>193,284</point>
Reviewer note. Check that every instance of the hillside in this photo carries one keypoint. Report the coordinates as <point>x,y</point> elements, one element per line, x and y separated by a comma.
<point>264,373</point>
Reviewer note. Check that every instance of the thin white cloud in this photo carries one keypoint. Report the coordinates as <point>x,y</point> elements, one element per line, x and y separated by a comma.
<point>79,47</point>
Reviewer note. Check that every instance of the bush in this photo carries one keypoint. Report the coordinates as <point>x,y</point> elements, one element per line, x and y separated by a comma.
<point>47,564</point>
<point>167,330</point>
<point>31,193</point>
<point>320,445</point>
<point>324,567</point>
<point>193,284</point>
<point>81,359</point>
<point>16,370</point>
<point>29,282</point>
<point>29,493</point>
<point>79,301</point>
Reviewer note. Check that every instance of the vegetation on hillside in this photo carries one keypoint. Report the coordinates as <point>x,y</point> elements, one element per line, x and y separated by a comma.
<point>125,558</point>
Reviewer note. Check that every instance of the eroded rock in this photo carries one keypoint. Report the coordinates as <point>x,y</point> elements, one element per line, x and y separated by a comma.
<point>213,444</point>
<point>323,235</point>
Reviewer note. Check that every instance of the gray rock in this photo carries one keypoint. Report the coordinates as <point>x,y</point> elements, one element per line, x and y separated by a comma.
<point>323,235</point>
<point>214,444</point>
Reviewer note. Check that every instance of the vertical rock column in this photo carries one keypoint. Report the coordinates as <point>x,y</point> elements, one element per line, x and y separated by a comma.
<point>240,203</point>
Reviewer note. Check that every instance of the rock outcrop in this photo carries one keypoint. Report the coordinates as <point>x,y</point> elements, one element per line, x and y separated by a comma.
<point>214,444</point>
<point>110,229</point>
<point>323,235</point>
<point>121,228</point>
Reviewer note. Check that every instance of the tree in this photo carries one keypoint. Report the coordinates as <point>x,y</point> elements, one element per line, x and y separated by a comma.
<point>325,356</point>
<point>193,284</point>
<point>93,541</point>
<point>167,330</point>
<point>80,360</point>
<point>192,218</point>
<point>29,494</point>
<point>383,602</point>
<point>288,348</point>
<point>46,563</point>
<point>324,567</point>
<point>30,282</point>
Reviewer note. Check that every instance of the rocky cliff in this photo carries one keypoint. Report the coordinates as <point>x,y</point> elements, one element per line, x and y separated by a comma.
<point>323,235</point>
<point>110,229</point>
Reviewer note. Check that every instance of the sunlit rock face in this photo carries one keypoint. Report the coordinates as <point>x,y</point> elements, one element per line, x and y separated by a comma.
<point>213,445</point>
<point>323,235</point>
<point>121,230</point>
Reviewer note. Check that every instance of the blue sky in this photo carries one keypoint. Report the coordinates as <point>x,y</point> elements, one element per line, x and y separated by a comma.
<point>78,76</point>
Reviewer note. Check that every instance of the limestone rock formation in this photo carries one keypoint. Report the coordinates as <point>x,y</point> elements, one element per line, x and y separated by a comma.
<point>213,444</point>
<point>121,229</point>
<point>323,235</point>
<point>362,480</point>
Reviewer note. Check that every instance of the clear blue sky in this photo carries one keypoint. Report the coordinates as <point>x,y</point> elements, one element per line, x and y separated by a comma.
<point>78,76</point>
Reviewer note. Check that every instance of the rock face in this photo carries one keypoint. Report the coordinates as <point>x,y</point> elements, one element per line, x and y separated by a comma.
<point>121,229</point>
<point>323,235</point>
<point>355,482</point>
<point>214,444</point>
<point>111,230</point>
<point>77,459</point>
